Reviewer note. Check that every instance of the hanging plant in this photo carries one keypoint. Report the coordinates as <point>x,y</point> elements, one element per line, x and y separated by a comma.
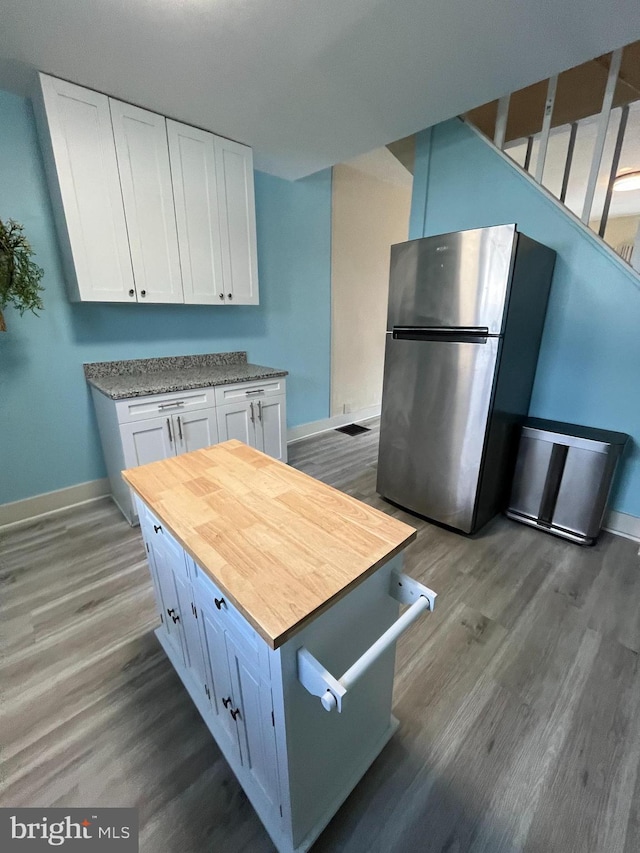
<point>19,276</point>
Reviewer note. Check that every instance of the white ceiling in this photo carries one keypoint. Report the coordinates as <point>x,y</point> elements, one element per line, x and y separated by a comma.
<point>307,84</point>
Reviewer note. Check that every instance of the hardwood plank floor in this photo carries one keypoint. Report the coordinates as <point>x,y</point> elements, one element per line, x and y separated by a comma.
<point>518,698</point>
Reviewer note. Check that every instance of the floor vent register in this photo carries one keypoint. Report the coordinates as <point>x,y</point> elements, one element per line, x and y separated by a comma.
<point>352,429</point>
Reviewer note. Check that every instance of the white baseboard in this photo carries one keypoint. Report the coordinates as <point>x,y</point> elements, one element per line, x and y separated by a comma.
<point>28,509</point>
<point>623,524</point>
<point>305,430</point>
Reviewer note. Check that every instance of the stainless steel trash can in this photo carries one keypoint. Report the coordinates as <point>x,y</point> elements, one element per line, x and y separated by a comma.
<point>563,476</point>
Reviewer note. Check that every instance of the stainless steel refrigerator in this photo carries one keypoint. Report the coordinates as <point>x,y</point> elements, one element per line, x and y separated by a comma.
<point>465,318</point>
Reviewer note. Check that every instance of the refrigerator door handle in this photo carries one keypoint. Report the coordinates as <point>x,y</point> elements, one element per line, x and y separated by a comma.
<point>466,334</point>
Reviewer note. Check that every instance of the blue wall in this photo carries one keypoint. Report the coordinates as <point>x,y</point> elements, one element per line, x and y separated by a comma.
<point>589,365</point>
<point>48,435</point>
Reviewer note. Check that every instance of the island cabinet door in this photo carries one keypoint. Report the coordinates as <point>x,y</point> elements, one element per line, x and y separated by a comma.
<point>221,694</point>
<point>193,653</point>
<point>254,716</point>
<point>164,559</point>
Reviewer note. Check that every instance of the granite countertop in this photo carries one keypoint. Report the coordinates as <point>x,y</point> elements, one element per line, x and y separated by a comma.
<point>317,543</point>
<point>119,380</point>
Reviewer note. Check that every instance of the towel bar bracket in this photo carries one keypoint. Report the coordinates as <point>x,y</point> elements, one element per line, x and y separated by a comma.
<point>318,681</point>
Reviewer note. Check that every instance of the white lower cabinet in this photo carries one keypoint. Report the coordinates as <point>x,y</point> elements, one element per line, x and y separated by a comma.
<point>260,423</point>
<point>139,430</point>
<point>146,441</point>
<point>271,427</point>
<point>237,420</point>
<point>159,438</point>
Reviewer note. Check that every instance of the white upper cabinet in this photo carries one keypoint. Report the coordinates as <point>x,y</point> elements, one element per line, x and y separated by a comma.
<point>195,191</point>
<point>234,167</point>
<point>75,127</point>
<point>145,178</point>
<point>148,209</point>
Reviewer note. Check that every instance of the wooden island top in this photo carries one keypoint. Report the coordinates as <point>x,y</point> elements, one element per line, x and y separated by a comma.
<point>281,545</point>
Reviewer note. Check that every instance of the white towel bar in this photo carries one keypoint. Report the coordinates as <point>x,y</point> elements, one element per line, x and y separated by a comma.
<point>319,681</point>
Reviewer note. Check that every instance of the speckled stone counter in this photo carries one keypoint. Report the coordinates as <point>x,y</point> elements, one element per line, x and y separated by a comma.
<point>119,380</point>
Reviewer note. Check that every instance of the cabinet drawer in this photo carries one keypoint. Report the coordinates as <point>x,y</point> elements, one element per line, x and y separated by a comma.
<point>139,408</point>
<point>218,604</point>
<point>249,390</point>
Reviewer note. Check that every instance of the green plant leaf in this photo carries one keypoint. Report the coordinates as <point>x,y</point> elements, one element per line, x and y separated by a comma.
<point>19,275</point>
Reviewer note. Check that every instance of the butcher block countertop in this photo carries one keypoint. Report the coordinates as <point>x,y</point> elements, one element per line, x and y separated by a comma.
<point>282,546</point>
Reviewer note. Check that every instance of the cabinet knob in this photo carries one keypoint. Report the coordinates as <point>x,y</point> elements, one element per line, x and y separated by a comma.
<point>229,295</point>
<point>226,702</point>
<point>235,713</point>
<point>219,602</point>
<point>221,295</point>
<point>143,293</point>
<point>157,528</point>
<point>132,292</point>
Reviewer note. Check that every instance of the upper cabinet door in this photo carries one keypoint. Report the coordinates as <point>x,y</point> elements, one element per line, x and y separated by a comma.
<point>195,192</point>
<point>234,167</point>
<point>145,177</point>
<point>81,163</point>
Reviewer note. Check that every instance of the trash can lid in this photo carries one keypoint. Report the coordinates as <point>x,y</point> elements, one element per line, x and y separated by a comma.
<point>605,436</point>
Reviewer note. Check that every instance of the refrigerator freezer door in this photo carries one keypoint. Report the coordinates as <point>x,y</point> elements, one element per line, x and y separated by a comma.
<point>435,413</point>
<point>458,279</point>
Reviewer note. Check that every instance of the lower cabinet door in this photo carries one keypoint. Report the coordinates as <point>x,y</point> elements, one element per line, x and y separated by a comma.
<point>193,655</point>
<point>220,682</point>
<point>195,430</point>
<point>272,421</point>
<point>237,420</point>
<point>147,441</point>
<point>255,720</point>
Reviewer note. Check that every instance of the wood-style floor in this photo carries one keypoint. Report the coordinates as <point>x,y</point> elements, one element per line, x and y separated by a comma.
<point>518,698</point>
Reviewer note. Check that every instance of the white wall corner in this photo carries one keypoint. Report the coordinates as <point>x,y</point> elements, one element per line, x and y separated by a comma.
<point>29,509</point>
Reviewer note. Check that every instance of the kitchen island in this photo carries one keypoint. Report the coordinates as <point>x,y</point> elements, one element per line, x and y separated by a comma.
<point>278,597</point>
